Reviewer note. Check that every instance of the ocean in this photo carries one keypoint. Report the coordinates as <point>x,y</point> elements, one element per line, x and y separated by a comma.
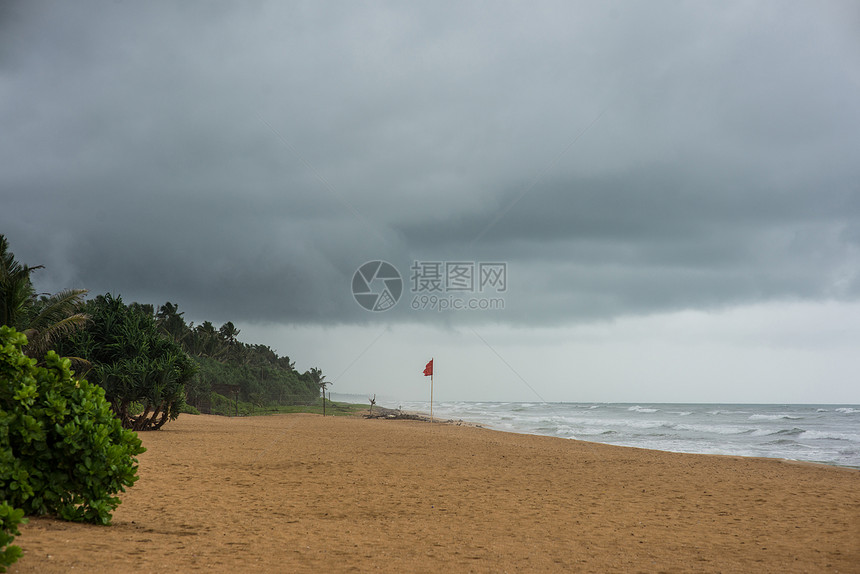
<point>816,433</point>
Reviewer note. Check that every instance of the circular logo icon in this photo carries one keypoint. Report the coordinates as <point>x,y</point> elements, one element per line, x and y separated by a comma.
<point>377,286</point>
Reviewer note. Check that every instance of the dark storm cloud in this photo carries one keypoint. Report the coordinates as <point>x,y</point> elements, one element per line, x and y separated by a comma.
<point>244,160</point>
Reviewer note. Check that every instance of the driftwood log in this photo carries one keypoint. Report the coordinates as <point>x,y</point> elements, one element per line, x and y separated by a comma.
<point>394,414</point>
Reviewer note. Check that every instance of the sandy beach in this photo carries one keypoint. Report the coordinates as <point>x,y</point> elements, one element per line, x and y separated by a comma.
<point>300,493</point>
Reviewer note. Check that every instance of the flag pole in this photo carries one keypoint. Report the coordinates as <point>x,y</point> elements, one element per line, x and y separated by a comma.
<point>428,370</point>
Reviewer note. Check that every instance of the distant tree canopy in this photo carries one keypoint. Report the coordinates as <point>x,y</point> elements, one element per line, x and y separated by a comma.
<point>261,376</point>
<point>150,362</point>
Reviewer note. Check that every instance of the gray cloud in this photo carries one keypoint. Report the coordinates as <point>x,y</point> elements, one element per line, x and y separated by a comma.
<point>244,160</point>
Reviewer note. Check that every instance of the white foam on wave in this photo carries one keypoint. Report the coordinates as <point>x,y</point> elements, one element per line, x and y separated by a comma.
<point>638,409</point>
<point>636,424</point>
<point>828,432</point>
<point>575,431</point>
<point>713,429</point>
<point>758,417</point>
<point>592,431</point>
<point>830,435</point>
<point>764,432</point>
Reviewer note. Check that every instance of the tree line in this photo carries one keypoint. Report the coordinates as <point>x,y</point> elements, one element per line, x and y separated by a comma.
<point>256,372</point>
<point>152,364</point>
<point>68,444</point>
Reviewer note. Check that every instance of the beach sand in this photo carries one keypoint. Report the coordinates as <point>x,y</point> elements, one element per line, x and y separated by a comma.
<point>300,493</point>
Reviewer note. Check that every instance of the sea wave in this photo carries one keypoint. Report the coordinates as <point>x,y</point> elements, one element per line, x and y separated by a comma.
<point>777,431</point>
<point>785,442</point>
<point>790,432</point>
<point>638,409</point>
<point>820,433</point>
<point>830,435</point>
<point>775,417</point>
<point>712,429</point>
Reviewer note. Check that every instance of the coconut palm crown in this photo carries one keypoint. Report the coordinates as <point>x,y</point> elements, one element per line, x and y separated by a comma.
<point>43,319</point>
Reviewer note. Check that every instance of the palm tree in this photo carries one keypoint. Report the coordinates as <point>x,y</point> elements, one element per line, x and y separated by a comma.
<point>52,318</point>
<point>16,290</point>
<point>171,323</point>
<point>229,332</point>
<point>318,378</point>
<point>230,345</point>
<point>44,320</point>
<point>203,341</point>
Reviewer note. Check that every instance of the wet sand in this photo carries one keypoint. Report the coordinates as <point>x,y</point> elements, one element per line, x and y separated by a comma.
<point>301,493</point>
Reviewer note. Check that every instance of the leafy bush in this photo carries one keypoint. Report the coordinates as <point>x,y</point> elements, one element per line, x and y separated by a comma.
<point>10,518</point>
<point>189,410</point>
<point>62,450</point>
<point>222,405</point>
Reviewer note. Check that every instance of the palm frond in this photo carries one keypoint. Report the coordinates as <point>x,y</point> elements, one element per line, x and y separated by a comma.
<point>42,341</point>
<point>56,317</point>
<point>55,308</point>
<point>16,290</point>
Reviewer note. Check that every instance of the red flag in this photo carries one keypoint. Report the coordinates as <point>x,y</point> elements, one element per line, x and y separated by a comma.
<point>428,370</point>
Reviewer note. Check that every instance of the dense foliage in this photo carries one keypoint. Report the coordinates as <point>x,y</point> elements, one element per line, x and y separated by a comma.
<point>62,450</point>
<point>152,365</point>
<point>10,518</point>
<point>253,372</point>
<point>135,363</point>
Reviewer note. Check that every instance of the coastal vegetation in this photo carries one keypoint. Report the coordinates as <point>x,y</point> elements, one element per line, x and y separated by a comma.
<point>142,372</point>
<point>10,518</point>
<point>44,319</point>
<point>68,438</point>
<point>151,363</point>
<point>62,450</point>
<point>231,371</point>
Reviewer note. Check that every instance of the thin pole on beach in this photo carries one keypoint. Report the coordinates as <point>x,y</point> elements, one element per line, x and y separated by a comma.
<point>431,396</point>
<point>428,371</point>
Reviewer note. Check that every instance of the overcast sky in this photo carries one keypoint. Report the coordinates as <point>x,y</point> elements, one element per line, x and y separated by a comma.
<point>673,187</point>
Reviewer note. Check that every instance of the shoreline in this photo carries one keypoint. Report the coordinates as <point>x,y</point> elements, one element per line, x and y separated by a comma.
<point>301,492</point>
<point>589,438</point>
<point>425,417</point>
<point>460,422</point>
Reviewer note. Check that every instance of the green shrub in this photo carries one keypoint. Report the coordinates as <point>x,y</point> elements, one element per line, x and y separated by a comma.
<point>189,410</point>
<point>224,406</point>
<point>62,450</point>
<point>10,518</point>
